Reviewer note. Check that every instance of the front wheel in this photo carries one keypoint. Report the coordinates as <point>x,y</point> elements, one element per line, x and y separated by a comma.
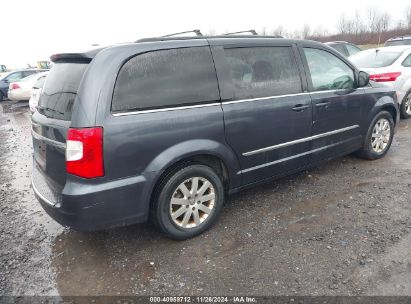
<point>379,137</point>
<point>188,202</point>
<point>405,108</point>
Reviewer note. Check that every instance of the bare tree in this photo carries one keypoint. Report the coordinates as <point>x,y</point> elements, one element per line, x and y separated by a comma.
<point>305,32</point>
<point>377,23</point>
<point>347,26</point>
<point>362,27</point>
<point>373,19</point>
<point>320,31</point>
<point>408,17</point>
<point>386,18</point>
<point>279,31</point>
<point>357,23</point>
<point>211,32</point>
<point>342,25</point>
<point>401,25</point>
<point>297,34</point>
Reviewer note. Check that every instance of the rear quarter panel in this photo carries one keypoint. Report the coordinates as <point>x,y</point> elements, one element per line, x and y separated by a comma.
<point>152,142</point>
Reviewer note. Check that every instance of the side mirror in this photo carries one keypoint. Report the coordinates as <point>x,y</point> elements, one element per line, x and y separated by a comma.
<point>363,79</point>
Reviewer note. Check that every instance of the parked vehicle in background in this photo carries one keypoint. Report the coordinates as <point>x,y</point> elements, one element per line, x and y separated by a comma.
<point>167,129</point>
<point>36,92</point>
<point>3,69</point>
<point>22,89</point>
<point>345,48</point>
<point>44,64</point>
<point>14,76</point>
<point>402,40</point>
<point>392,66</point>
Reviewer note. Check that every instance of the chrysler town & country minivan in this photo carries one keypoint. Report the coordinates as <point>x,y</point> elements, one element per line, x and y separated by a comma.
<point>165,129</point>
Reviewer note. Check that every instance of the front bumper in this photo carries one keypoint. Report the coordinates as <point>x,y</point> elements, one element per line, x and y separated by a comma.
<point>97,207</point>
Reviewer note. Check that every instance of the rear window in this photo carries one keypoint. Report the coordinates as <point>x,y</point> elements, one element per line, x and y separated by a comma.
<point>40,83</point>
<point>407,61</point>
<point>375,59</point>
<point>166,78</point>
<point>352,50</point>
<point>339,47</point>
<point>60,90</point>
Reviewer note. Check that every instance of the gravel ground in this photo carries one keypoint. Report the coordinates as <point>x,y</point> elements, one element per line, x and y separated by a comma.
<point>341,229</point>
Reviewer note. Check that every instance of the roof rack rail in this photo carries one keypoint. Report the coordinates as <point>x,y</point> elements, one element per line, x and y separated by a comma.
<point>197,32</point>
<point>253,32</point>
<point>226,36</point>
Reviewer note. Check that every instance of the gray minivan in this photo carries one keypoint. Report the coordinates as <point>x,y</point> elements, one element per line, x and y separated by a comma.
<point>167,128</point>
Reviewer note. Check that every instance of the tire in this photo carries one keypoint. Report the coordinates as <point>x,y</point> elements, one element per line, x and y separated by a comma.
<point>1,96</point>
<point>384,122</point>
<point>405,107</point>
<point>185,224</point>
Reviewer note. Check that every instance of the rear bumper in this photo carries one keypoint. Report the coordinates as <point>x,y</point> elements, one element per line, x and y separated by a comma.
<point>397,120</point>
<point>100,206</point>
<point>401,95</point>
<point>15,95</point>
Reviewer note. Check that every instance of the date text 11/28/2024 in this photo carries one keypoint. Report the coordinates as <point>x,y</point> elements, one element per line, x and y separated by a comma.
<point>233,299</point>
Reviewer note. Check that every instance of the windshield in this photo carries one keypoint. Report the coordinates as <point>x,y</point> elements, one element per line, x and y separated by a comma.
<point>398,42</point>
<point>28,78</point>
<point>4,75</point>
<point>375,58</point>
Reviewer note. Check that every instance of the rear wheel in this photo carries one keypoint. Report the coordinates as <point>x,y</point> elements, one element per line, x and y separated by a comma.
<point>188,202</point>
<point>379,137</point>
<point>405,107</point>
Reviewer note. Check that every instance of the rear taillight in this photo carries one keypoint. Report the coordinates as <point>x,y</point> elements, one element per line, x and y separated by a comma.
<point>385,77</point>
<point>14,86</point>
<point>84,152</point>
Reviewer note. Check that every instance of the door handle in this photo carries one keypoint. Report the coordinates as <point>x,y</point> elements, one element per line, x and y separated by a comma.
<point>323,104</point>
<point>300,107</point>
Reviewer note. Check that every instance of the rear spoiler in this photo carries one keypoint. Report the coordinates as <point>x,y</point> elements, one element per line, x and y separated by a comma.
<point>84,57</point>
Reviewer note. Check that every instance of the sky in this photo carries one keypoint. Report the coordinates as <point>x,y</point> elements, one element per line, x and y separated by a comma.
<point>34,30</point>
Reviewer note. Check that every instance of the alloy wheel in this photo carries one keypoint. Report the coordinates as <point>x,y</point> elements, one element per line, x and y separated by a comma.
<point>381,135</point>
<point>408,104</point>
<point>192,202</point>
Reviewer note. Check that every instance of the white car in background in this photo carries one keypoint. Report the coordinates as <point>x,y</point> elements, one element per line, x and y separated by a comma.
<point>36,92</point>
<point>22,89</point>
<point>390,65</point>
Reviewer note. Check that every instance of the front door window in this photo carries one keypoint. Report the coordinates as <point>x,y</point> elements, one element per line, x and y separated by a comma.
<point>327,71</point>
